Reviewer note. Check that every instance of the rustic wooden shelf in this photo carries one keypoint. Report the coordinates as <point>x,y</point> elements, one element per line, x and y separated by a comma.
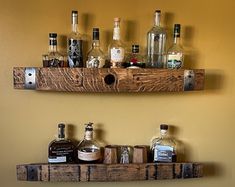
<point>108,172</point>
<point>108,80</point>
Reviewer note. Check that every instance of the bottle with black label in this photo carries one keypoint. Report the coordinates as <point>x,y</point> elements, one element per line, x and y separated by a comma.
<point>88,149</point>
<point>61,150</point>
<point>75,52</point>
<point>164,147</point>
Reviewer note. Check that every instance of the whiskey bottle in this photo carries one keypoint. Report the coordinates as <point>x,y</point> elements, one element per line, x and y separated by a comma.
<point>175,54</point>
<point>61,150</point>
<point>53,58</point>
<point>134,60</point>
<point>75,52</point>
<point>163,148</point>
<point>95,57</point>
<point>88,149</point>
<point>116,48</point>
<point>156,44</point>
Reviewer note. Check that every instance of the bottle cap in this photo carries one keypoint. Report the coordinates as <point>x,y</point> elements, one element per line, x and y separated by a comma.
<point>89,127</point>
<point>157,11</point>
<point>74,12</point>
<point>135,48</point>
<point>177,30</point>
<point>117,19</point>
<point>164,127</point>
<point>96,33</point>
<point>61,125</point>
<point>52,35</point>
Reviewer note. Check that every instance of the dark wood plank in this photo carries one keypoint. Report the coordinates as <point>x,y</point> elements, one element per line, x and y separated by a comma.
<point>107,172</point>
<point>109,80</point>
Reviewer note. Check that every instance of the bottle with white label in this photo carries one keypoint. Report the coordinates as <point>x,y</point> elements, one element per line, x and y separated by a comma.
<point>175,54</point>
<point>116,48</point>
<point>61,150</point>
<point>163,148</point>
<point>88,149</point>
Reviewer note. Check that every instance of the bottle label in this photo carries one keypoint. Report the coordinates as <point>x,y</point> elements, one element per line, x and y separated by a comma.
<point>163,153</point>
<point>75,57</point>
<point>58,159</point>
<point>117,54</point>
<point>89,156</point>
<point>174,61</point>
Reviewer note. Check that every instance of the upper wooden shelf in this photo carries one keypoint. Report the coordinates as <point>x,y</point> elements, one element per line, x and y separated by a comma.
<point>108,80</point>
<point>107,172</point>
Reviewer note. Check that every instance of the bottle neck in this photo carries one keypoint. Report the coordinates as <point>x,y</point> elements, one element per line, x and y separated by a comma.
<point>116,31</point>
<point>163,133</point>
<point>95,44</point>
<point>88,135</point>
<point>74,27</point>
<point>61,134</point>
<point>52,48</point>
<point>176,40</point>
<point>157,19</point>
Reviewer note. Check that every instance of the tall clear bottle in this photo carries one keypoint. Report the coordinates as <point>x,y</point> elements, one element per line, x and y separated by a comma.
<point>88,149</point>
<point>175,54</point>
<point>156,44</point>
<point>61,150</point>
<point>163,148</point>
<point>74,45</point>
<point>116,48</point>
<point>95,57</point>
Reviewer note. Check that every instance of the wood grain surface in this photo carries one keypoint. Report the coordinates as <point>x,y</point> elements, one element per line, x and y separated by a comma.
<point>108,80</point>
<point>108,172</point>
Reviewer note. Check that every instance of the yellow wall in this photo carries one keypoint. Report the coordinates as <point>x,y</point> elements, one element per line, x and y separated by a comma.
<point>204,120</point>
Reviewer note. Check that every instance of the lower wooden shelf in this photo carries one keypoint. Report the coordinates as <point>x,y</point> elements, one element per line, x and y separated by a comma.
<point>107,172</point>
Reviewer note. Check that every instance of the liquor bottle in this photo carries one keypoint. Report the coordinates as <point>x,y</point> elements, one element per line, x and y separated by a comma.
<point>134,60</point>
<point>156,44</point>
<point>75,52</point>
<point>95,57</point>
<point>116,48</point>
<point>61,150</point>
<point>175,54</point>
<point>88,149</point>
<point>163,148</point>
<point>53,58</point>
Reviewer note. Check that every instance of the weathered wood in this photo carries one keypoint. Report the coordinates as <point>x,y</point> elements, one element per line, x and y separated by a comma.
<point>108,172</point>
<point>109,80</point>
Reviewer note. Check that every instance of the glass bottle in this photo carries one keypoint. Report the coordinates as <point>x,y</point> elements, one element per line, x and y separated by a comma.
<point>134,60</point>
<point>74,46</point>
<point>61,150</point>
<point>163,148</point>
<point>175,54</point>
<point>156,44</point>
<point>116,48</point>
<point>88,149</point>
<point>95,57</point>
<point>53,58</point>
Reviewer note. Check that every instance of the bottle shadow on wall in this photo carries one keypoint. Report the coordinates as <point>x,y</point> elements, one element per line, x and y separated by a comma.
<point>71,133</point>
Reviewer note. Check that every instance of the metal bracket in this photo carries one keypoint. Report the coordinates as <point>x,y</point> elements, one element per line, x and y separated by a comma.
<point>30,78</point>
<point>189,80</point>
<point>32,173</point>
<point>187,170</point>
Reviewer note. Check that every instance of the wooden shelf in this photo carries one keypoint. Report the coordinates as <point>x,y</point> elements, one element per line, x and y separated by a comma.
<point>108,80</point>
<point>108,172</point>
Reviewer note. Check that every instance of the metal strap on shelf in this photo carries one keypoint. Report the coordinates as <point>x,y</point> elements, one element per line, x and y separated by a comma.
<point>189,80</point>
<point>30,78</point>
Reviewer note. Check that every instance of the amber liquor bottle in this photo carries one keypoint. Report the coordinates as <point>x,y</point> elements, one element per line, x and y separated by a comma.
<point>89,151</point>
<point>61,150</point>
